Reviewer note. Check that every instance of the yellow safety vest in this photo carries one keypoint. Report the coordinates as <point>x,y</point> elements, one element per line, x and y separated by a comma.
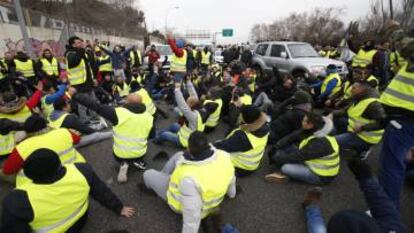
<point>57,140</point>
<point>26,68</point>
<point>396,61</point>
<point>147,100</point>
<point>347,90</point>
<point>400,91</point>
<point>327,165</point>
<point>46,108</point>
<point>373,78</point>
<point>355,118</point>
<point>132,57</point>
<point>185,131</point>
<point>328,79</point>
<point>20,116</point>
<point>124,91</point>
<point>58,206</point>
<point>249,160</point>
<point>77,75</point>
<point>363,58</point>
<point>252,85</point>
<point>179,64</point>
<point>50,68</point>
<point>57,123</point>
<point>131,133</point>
<point>205,58</point>
<point>139,79</point>
<point>213,178</point>
<point>213,119</point>
<point>322,53</point>
<point>107,66</point>
<point>6,144</point>
<point>246,99</point>
<point>4,65</point>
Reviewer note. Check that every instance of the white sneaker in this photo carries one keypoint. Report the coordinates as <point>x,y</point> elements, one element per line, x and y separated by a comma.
<point>103,123</point>
<point>122,175</point>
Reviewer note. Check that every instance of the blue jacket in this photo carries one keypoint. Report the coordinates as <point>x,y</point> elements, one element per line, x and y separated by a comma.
<point>118,58</point>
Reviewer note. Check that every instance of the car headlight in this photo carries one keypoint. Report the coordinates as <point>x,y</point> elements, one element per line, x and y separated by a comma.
<point>316,70</point>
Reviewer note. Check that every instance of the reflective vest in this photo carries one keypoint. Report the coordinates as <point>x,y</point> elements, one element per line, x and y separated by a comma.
<point>132,57</point>
<point>139,79</point>
<point>57,123</point>
<point>46,108</point>
<point>58,206</point>
<point>50,68</point>
<point>147,100</point>
<point>396,61</point>
<point>212,177</point>
<point>57,140</point>
<point>363,58</point>
<point>77,75</point>
<point>124,91</point>
<point>213,119</point>
<point>246,99</point>
<point>105,64</point>
<point>400,91</point>
<point>205,58</point>
<point>179,64</point>
<point>249,160</point>
<point>131,133</point>
<point>322,53</point>
<point>20,116</point>
<point>6,144</point>
<point>185,131</point>
<point>373,78</point>
<point>26,68</point>
<point>355,118</point>
<point>3,66</point>
<point>252,84</point>
<point>328,79</point>
<point>194,54</point>
<point>327,165</point>
<point>347,90</point>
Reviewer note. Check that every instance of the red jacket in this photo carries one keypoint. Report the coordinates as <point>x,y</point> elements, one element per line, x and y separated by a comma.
<point>153,56</point>
<point>177,51</point>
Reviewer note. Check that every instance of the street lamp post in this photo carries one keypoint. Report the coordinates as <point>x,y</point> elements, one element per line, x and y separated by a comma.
<point>166,17</point>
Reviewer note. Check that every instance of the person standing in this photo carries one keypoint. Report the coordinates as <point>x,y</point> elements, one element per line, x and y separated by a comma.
<point>206,60</point>
<point>49,67</point>
<point>179,58</point>
<point>153,57</point>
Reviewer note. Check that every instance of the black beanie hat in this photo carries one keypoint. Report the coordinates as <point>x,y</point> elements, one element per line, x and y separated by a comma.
<point>42,164</point>
<point>250,113</point>
<point>302,97</point>
<point>352,221</point>
<point>35,123</point>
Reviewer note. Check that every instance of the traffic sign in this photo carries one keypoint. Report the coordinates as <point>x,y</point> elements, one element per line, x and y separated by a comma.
<point>227,32</point>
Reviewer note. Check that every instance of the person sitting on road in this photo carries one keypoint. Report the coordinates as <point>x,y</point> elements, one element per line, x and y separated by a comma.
<point>50,95</point>
<point>121,89</point>
<point>315,161</point>
<point>57,198</point>
<point>7,143</point>
<point>194,182</point>
<point>329,86</point>
<point>146,97</point>
<point>132,126</point>
<point>213,104</point>
<point>247,143</point>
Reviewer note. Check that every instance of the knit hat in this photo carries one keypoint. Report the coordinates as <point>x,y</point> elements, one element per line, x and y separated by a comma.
<point>215,92</point>
<point>302,97</point>
<point>352,221</point>
<point>34,123</point>
<point>250,113</point>
<point>42,164</point>
<point>180,43</point>
<point>331,69</point>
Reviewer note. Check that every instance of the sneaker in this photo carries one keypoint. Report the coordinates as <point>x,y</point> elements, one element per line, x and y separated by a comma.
<point>313,196</point>
<point>103,123</point>
<point>122,175</point>
<point>140,165</point>
<point>276,177</point>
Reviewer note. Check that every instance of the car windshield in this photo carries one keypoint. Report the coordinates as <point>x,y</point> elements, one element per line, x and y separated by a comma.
<point>217,53</point>
<point>302,50</point>
<point>164,50</point>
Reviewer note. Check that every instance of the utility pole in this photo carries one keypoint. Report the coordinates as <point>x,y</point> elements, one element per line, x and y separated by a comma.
<point>391,10</point>
<point>23,28</point>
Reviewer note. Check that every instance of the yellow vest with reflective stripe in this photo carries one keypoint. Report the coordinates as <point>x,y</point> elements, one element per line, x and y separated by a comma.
<point>373,78</point>
<point>106,67</point>
<point>347,90</point>
<point>26,68</point>
<point>213,178</point>
<point>77,75</point>
<point>20,116</point>
<point>139,79</point>
<point>250,160</point>
<point>396,61</point>
<point>57,123</point>
<point>355,118</point>
<point>213,119</point>
<point>57,140</point>
<point>327,165</point>
<point>50,68</point>
<point>6,144</point>
<point>124,91</point>
<point>400,91</point>
<point>185,131</point>
<point>328,79</point>
<point>363,58</point>
<point>132,58</point>
<point>131,133</point>
<point>246,99</point>
<point>58,206</point>
<point>252,85</point>
<point>205,58</point>
<point>179,64</point>
<point>4,65</point>
<point>147,100</point>
<point>46,108</point>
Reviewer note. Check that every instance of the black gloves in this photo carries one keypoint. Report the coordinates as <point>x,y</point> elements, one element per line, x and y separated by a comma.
<point>360,169</point>
<point>6,126</point>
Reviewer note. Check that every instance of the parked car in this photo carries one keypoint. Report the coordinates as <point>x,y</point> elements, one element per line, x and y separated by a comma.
<point>218,58</point>
<point>299,59</point>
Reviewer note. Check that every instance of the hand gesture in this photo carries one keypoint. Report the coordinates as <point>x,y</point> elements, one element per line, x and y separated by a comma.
<point>39,86</point>
<point>72,91</point>
<point>127,212</point>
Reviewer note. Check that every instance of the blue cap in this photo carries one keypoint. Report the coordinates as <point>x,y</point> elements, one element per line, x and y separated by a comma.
<point>180,43</point>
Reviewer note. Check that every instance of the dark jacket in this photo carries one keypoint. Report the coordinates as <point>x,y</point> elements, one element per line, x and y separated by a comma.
<point>288,122</point>
<point>71,121</point>
<point>17,211</point>
<point>74,57</point>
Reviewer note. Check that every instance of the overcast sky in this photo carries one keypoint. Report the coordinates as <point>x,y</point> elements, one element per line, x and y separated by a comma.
<point>240,15</point>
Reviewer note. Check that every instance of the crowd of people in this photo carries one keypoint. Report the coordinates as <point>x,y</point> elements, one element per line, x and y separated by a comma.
<point>50,107</point>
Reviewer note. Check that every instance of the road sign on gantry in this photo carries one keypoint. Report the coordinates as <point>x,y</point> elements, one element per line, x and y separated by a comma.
<point>227,32</point>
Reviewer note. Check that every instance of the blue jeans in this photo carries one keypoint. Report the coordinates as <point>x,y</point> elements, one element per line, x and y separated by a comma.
<point>178,76</point>
<point>314,219</point>
<point>169,134</point>
<point>302,173</point>
<point>395,146</point>
<point>352,141</point>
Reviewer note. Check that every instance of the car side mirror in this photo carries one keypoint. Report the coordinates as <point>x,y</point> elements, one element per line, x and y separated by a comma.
<point>283,55</point>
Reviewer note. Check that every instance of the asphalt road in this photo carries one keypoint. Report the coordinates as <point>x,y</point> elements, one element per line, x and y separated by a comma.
<point>259,208</point>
